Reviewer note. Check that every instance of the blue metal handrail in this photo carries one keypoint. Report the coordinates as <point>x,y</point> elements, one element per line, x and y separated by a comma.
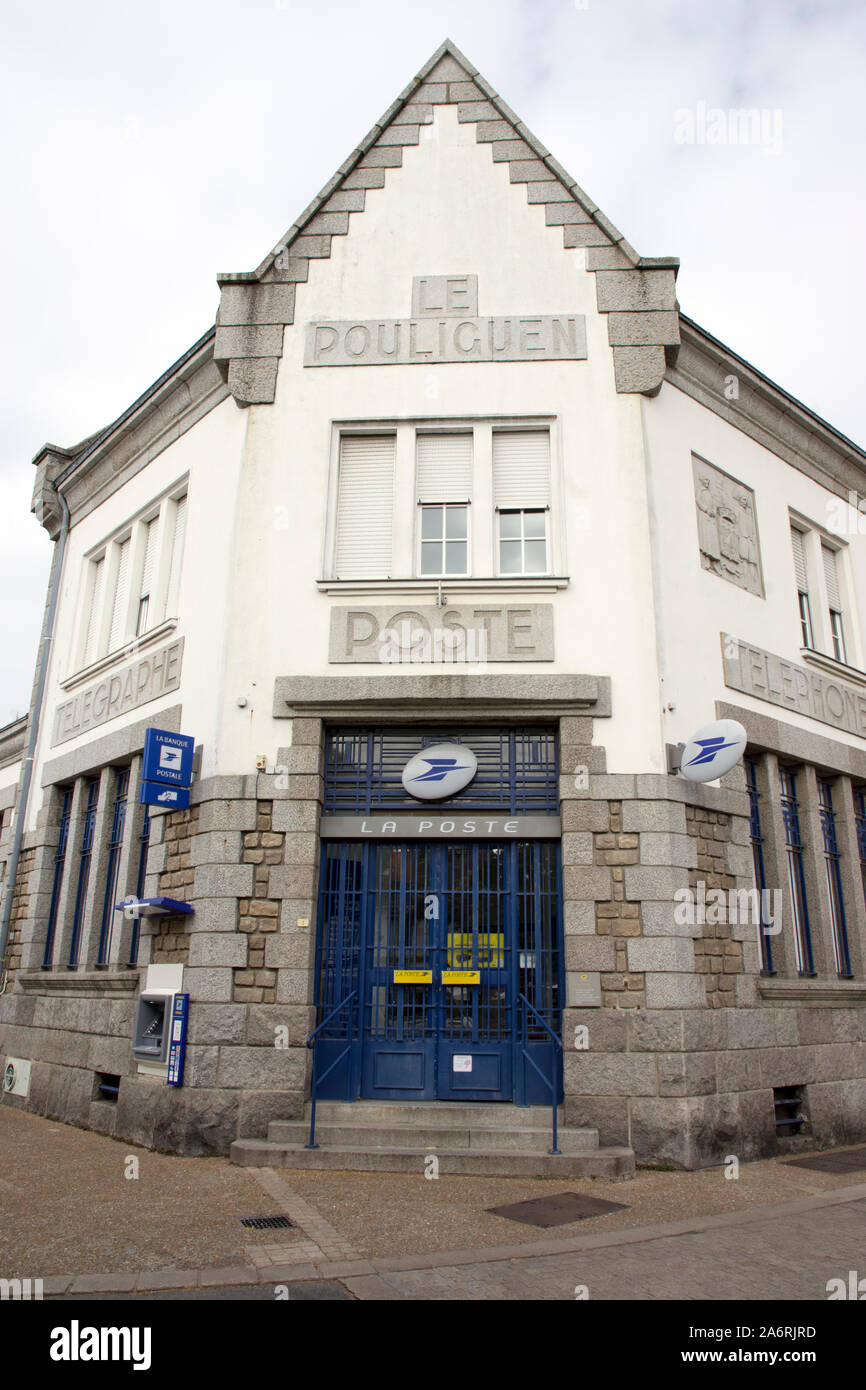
<point>315,1080</point>
<point>551,1082</point>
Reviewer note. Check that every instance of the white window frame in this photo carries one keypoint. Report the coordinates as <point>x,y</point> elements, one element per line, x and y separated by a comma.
<point>482,516</point>
<point>823,648</point>
<point>444,507</point>
<point>523,512</point>
<point>162,510</point>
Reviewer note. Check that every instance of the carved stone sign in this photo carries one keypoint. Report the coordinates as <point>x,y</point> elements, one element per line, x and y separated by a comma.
<point>727,527</point>
<point>126,689</point>
<point>472,633</point>
<point>768,677</point>
<point>445,327</point>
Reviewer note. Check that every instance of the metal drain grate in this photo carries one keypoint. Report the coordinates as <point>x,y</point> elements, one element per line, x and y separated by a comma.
<point>557,1211</point>
<point>267,1223</point>
<point>848,1161</point>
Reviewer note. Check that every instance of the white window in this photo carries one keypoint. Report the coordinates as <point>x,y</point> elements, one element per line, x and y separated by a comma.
<point>444,479</point>
<point>146,609</point>
<point>521,494</point>
<point>443,500</point>
<point>365,506</point>
<point>834,601</point>
<point>117,632</point>
<point>131,585</point>
<point>798,543</point>
<point>523,542</point>
<point>95,601</point>
<point>178,536</point>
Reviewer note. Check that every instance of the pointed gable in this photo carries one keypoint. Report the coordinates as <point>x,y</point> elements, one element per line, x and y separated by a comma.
<point>636,293</point>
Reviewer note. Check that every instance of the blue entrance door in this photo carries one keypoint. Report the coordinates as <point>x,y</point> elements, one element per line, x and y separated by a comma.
<point>443,945</point>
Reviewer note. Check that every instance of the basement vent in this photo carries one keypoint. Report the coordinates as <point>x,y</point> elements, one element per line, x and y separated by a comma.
<point>267,1223</point>
<point>788,1104</point>
<point>106,1086</point>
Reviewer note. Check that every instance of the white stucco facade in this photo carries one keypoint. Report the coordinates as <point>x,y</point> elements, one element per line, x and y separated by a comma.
<point>668,597</point>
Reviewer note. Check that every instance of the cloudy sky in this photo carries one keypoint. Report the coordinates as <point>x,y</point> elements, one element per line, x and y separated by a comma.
<point>145,147</point>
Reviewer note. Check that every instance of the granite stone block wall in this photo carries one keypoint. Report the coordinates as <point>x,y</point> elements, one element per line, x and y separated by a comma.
<point>678,1057</point>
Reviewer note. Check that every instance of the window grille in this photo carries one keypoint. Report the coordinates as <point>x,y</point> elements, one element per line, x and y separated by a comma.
<point>143,845</point>
<point>757,839</point>
<point>115,845</point>
<point>518,769</point>
<point>834,880</point>
<point>796,876</point>
<point>84,868</point>
<point>59,861</point>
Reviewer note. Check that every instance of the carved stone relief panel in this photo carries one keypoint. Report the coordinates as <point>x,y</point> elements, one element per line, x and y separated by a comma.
<point>727,527</point>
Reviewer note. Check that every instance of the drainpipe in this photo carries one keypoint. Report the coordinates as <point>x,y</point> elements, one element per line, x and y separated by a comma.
<point>33,734</point>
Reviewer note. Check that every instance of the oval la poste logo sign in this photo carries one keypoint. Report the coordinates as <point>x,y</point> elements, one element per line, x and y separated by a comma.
<point>440,771</point>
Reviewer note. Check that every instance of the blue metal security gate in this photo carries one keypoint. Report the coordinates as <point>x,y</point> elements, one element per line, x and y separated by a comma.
<point>439,961</point>
<point>471,909</point>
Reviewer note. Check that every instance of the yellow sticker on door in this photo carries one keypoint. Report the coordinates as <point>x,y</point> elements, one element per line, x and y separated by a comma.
<point>463,955</point>
<point>413,977</point>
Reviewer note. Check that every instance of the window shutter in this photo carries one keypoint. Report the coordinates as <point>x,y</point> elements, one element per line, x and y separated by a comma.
<point>149,558</point>
<point>365,506</point>
<point>444,467</point>
<point>176,557</point>
<point>831,576</point>
<point>799,560</point>
<point>521,468</point>
<point>93,622</point>
<point>121,598</point>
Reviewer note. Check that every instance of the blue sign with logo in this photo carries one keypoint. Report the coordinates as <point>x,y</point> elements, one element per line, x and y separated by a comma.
<point>167,758</point>
<point>440,771</point>
<point>177,1039</point>
<point>713,750</point>
<point>156,794</point>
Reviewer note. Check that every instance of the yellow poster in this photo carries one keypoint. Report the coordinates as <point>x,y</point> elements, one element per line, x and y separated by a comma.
<point>491,951</point>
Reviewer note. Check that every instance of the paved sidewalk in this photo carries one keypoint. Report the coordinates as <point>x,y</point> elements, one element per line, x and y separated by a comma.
<point>784,1252</point>
<point>79,1213</point>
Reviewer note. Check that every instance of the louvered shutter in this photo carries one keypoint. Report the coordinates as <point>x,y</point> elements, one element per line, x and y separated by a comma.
<point>149,558</point>
<point>95,618</point>
<point>799,560</point>
<point>145,606</point>
<point>444,467</point>
<point>121,598</point>
<point>521,469</point>
<point>831,576</point>
<point>365,506</point>
<point>176,557</point>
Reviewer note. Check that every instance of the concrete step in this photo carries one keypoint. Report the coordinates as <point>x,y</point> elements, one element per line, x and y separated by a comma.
<point>416,1137</point>
<point>613,1163</point>
<point>462,1114</point>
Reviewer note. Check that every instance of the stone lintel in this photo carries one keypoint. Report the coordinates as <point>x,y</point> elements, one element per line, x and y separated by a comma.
<point>419,696</point>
